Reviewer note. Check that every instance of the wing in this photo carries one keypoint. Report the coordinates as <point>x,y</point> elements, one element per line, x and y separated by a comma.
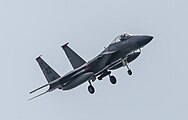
<point>109,52</point>
<point>105,56</point>
<point>108,67</point>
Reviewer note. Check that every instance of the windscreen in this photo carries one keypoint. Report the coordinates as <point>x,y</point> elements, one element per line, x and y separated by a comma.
<point>121,38</point>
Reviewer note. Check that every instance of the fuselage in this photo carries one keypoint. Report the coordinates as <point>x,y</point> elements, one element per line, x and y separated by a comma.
<point>117,50</point>
<point>120,52</point>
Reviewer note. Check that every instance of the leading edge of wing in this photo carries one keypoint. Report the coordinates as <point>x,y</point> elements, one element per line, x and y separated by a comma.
<point>108,52</point>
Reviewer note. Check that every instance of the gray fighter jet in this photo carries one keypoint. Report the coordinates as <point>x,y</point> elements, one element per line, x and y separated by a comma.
<point>124,49</point>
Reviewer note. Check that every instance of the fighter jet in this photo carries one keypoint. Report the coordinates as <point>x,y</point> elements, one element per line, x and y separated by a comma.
<point>120,52</point>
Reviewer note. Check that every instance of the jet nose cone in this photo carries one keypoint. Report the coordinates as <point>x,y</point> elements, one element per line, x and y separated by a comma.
<point>149,38</point>
<point>145,40</point>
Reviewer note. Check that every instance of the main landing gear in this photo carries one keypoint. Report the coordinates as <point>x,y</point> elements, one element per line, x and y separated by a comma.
<point>112,79</point>
<point>91,89</point>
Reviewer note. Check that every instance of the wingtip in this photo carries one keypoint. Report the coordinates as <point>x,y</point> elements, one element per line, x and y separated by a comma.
<point>66,44</point>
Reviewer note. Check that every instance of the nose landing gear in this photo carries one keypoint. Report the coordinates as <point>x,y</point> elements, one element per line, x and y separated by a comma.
<point>125,63</point>
<point>129,72</point>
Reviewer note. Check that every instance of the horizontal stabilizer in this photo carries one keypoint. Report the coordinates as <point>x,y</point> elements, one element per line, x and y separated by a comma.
<point>38,95</point>
<point>53,85</point>
<point>38,88</point>
<point>75,60</point>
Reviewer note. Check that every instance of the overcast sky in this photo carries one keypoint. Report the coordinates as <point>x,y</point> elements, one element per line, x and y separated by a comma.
<point>157,90</point>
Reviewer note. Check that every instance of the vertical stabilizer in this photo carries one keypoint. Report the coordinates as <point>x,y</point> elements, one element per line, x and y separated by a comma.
<point>49,73</point>
<point>75,60</point>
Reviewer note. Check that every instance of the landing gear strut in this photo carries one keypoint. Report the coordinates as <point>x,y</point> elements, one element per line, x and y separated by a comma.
<point>129,70</point>
<point>125,63</point>
<point>91,89</point>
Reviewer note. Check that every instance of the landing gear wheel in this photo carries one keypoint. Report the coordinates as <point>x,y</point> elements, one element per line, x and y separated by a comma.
<point>91,89</point>
<point>113,80</point>
<point>129,72</point>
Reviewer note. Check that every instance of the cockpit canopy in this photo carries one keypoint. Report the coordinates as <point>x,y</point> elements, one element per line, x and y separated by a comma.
<point>121,38</point>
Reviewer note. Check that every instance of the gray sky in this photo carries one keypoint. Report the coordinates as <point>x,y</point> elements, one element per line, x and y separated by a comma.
<point>157,90</point>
